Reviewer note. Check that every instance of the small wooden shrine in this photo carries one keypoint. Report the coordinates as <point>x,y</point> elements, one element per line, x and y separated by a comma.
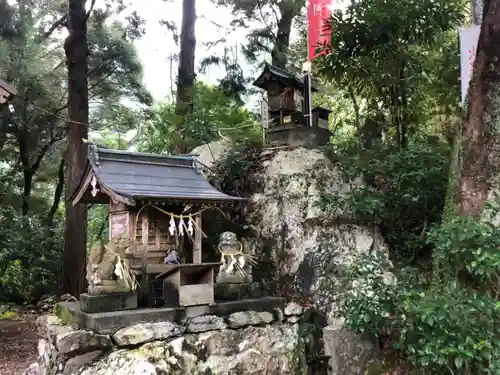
<point>157,201</point>
<point>7,92</point>
<point>287,98</point>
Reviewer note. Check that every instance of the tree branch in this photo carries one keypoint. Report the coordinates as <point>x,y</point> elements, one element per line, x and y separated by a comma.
<point>41,155</point>
<point>90,9</point>
<point>58,193</point>
<point>60,22</point>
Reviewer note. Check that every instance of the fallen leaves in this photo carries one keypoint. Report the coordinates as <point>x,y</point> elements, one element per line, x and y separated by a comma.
<point>18,343</point>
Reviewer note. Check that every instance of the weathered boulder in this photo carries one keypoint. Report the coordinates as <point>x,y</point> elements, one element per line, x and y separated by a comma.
<point>80,341</point>
<point>209,153</point>
<point>146,332</point>
<point>304,250</point>
<point>245,318</point>
<point>293,309</point>
<point>205,323</point>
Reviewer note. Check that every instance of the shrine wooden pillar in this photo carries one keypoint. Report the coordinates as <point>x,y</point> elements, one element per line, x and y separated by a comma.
<point>198,234</point>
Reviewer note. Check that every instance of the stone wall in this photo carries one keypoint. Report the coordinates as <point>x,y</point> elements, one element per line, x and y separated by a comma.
<point>245,342</point>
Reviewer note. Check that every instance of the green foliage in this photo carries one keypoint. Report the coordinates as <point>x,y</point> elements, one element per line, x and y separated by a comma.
<point>30,257</point>
<point>233,173</point>
<point>391,53</point>
<point>404,194</point>
<point>33,137</point>
<point>214,114</point>
<point>97,228</point>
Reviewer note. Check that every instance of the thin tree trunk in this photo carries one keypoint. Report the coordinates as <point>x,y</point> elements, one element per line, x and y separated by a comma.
<point>357,118</point>
<point>27,186</point>
<point>480,132</point>
<point>75,231</point>
<point>403,107</point>
<point>186,76</point>
<point>57,194</point>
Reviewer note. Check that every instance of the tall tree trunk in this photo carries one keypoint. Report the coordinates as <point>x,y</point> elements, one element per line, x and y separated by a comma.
<point>481,133</point>
<point>279,53</point>
<point>186,76</point>
<point>75,231</point>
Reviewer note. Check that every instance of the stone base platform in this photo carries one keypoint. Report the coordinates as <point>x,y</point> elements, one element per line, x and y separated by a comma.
<point>97,303</point>
<point>108,322</point>
<point>297,135</point>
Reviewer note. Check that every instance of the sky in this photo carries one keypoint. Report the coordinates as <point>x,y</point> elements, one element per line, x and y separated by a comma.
<point>157,45</point>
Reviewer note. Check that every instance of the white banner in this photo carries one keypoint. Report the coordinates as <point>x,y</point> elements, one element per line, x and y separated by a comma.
<point>468,48</point>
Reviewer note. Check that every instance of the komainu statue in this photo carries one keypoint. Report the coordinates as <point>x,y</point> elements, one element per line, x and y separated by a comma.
<point>236,264</point>
<point>107,267</point>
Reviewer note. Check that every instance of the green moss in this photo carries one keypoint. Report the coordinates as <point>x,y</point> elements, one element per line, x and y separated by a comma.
<point>376,367</point>
<point>64,313</point>
<point>8,315</point>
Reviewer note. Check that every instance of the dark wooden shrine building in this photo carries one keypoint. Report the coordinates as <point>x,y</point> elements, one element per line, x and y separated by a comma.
<point>7,92</point>
<point>156,200</point>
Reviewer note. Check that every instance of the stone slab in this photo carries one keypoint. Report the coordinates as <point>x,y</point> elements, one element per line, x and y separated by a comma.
<point>97,303</point>
<point>108,322</point>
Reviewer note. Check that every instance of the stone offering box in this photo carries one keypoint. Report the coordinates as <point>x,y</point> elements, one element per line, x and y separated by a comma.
<point>97,303</point>
<point>156,200</point>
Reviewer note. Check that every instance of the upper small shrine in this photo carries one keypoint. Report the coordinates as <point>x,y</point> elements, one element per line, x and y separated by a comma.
<point>286,109</point>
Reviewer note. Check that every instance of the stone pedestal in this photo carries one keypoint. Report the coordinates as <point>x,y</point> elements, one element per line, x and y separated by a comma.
<point>297,135</point>
<point>237,291</point>
<point>106,302</point>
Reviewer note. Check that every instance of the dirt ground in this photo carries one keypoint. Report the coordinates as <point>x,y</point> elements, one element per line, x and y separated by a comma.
<point>18,343</point>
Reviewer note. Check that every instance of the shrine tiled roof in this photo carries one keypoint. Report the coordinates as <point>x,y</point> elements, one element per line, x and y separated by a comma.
<point>286,78</point>
<point>146,176</point>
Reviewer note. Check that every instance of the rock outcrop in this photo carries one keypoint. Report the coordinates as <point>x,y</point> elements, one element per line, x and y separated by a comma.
<point>304,248</point>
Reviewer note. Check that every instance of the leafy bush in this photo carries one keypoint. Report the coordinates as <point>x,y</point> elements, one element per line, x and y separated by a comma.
<point>372,296</point>
<point>451,325</point>
<point>467,248</point>
<point>450,329</point>
<point>30,257</point>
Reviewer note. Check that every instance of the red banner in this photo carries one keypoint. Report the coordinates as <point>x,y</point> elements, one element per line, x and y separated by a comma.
<point>318,12</point>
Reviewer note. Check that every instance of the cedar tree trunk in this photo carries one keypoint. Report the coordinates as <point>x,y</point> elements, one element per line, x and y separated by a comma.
<point>186,75</point>
<point>481,129</point>
<point>75,231</point>
<point>279,53</point>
